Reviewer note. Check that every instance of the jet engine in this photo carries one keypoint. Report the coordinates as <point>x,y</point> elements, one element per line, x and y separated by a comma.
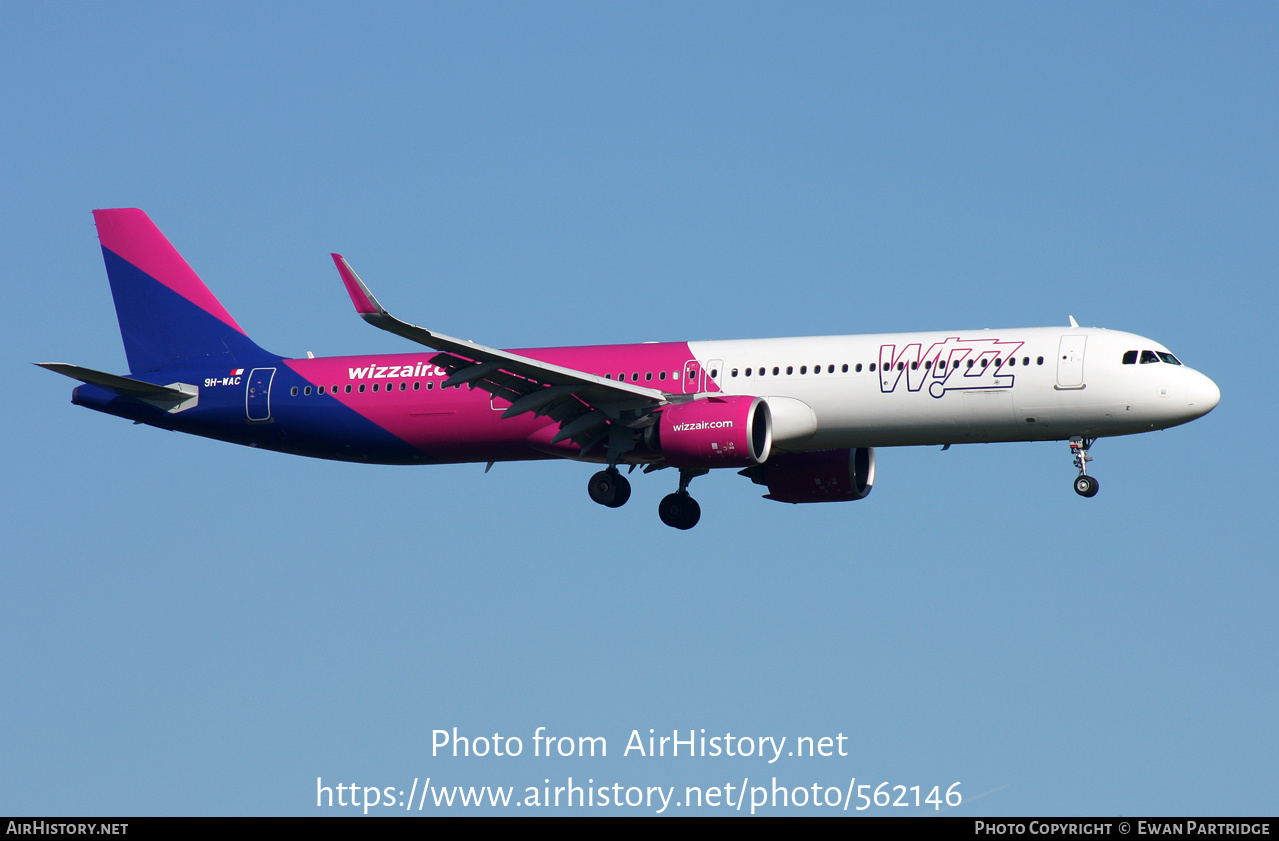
<point>733,431</point>
<point>817,476</point>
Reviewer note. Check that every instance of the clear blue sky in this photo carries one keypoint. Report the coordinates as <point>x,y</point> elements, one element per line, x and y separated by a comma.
<point>191,627</point>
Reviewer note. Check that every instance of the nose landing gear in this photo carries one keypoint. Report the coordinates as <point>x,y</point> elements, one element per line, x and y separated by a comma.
<point>1085,485</point>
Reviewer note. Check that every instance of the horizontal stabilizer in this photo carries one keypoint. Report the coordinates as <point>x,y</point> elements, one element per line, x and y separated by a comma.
<point>172,397</point>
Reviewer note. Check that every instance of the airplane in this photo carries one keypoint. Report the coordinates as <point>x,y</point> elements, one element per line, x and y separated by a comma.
<point>800,416</point>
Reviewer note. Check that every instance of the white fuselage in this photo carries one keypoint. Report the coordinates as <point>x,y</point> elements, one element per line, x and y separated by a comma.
<point>897,389</point>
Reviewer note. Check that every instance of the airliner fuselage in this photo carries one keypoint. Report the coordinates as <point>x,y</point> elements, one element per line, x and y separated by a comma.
<point>799,415</point>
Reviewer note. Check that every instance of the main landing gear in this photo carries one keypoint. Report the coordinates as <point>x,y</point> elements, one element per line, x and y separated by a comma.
<point>679,510</point>
<point>609,488</point>
<point>1085,485</point>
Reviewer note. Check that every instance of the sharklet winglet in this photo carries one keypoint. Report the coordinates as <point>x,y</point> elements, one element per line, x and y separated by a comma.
<point>365,303</point>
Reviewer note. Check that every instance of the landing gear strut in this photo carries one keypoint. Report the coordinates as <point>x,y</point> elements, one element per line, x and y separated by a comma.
<point>679,510</point>
<point>1085,485</point>
<point>609,488</point>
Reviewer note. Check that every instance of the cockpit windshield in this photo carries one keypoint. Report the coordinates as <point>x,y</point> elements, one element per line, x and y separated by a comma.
<point>1150,356</point>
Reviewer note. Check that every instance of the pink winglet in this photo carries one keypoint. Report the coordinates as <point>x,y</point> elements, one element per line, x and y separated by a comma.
<point>131,235</point>
<point>364,302</point>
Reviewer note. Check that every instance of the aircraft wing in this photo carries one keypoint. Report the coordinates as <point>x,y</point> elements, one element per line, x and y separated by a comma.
<point>583,404</point>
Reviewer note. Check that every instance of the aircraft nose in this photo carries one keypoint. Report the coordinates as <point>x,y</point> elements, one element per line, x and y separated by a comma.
<point>1204,396</point>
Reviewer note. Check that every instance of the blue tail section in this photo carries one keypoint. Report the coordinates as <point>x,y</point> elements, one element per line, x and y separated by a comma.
<point>167,315</point>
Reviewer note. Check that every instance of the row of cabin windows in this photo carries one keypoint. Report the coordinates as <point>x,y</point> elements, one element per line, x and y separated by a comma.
<point>901,366</point>
<point>803,370</point>
<point>817,369</point>
<point>404,386</point>
<point>761,372</point>
<point>1149,356</point>
<point>648,376</point>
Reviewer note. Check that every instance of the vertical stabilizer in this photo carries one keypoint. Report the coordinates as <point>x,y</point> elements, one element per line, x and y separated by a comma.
<point>167,315</point>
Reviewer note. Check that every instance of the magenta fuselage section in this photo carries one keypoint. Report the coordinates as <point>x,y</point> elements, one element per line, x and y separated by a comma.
<point>402,394</point>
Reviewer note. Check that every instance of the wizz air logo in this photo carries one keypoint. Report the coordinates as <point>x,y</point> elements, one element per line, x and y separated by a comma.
<point>381,372</point>
<point>952,365</point>
<point>689,427</point>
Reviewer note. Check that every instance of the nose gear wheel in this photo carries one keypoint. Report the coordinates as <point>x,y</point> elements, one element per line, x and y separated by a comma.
<point>1085,485</point>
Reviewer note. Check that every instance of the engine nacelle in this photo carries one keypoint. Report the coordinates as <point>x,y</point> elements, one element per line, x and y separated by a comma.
<point>817,476</point>
<point>733,431</point>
